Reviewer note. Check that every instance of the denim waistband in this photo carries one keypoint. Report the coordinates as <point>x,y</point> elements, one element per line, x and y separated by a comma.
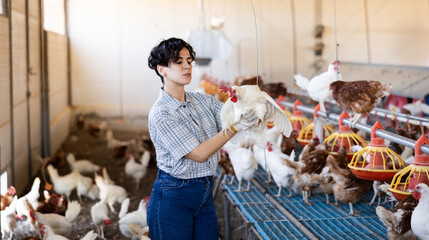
<point>161,173</point>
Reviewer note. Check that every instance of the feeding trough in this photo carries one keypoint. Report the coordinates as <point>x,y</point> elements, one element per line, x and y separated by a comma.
<point>307,133</point>
<point>417,172</point>
<point>279,100</point>
<point>298,120</point>
<point>344,137</point>
<point>376,162</point>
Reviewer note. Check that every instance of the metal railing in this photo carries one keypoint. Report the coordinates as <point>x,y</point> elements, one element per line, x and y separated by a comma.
<point>364,127</point>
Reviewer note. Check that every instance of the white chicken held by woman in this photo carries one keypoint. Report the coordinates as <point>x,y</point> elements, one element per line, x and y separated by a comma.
<point>246,98</point>
<point>420,217</point>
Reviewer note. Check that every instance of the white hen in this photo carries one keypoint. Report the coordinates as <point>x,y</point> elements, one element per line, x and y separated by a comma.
<point>63,185</point>
<point>136,217</point>
<point>139,232</point>
<point>420,217</point>
<point>243,162</point>
<point>27,203</point>
<point>61,225</point>
<point>137,170</point>
<point>109,193</point>
<point>82,166</point>
<point>249,97</point>
<point>318,86</point>
<point>281,166</point>
<point>8,219</point>
<point>100,217</point>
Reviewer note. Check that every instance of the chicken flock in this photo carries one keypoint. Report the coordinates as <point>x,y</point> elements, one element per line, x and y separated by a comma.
<point>316,167</point>
<point>271,147</point>
<point>53,216</point>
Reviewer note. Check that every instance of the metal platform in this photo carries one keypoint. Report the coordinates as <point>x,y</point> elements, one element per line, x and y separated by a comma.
<point>290,218</point>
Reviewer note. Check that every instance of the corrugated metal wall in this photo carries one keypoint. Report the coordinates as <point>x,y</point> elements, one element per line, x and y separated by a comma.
<point>21,136</point>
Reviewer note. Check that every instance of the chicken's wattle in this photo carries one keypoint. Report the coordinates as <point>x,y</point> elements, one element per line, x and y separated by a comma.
<point>417,195</point>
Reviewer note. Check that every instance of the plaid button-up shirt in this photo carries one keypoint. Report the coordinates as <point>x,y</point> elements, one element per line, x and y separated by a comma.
<point>176,128</point>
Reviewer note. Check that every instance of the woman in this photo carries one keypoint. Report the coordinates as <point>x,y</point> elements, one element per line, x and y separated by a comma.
<point>187,133</point>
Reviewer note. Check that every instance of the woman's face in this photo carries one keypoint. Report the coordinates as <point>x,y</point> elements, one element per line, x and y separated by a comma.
<point>180,72</point>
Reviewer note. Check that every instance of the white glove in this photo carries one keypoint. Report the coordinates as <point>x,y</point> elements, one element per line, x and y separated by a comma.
<point>247,121</point>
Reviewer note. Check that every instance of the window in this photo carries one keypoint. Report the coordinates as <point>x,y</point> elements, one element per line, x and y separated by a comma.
<point>3,7</point>
<point>54,16</point>
<point>3,182</point>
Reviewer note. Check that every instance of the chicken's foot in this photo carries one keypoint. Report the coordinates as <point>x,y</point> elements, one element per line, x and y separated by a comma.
<point>280,192</point>
<point>352,212</point>
<point>231,181</point>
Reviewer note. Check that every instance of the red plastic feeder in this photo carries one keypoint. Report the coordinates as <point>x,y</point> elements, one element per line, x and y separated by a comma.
<point>344,137</point>
<point>307,133</point>
<point>298,120</point>
<point>417,172</point>
<point>376,162</point>
<point>279,99</point>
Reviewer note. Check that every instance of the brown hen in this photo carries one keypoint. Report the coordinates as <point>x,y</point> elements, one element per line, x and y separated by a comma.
<point>275,89</point>
<point>398,222</point>
<point>347,188</point>
<point>359,96</point>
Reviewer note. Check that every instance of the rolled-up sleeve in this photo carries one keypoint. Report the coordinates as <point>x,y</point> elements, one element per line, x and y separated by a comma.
<point>176,135</point>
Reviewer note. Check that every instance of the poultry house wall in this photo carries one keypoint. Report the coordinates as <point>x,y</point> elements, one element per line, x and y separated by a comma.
<point>109,66</point>
<point>5,137</point>
<point>58,89</point>
<point>34,83</point>
<point>20,89</point>
<point>19,92</point>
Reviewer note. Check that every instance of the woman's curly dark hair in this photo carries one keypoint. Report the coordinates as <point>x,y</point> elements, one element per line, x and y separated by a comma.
<point>168,51</point>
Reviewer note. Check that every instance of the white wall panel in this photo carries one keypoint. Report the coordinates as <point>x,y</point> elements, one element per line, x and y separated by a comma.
<point>21,146</point>
<point>398,31</point>
<point>59,112</point>
<point>4,72</point>
<point>34,80</point>
<point>5,145</point>
<point>19,78</point>
<point>60,129</point>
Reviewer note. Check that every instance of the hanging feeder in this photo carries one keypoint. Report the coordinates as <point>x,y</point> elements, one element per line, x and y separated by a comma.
<point>376,162</point>
<point>344,137</point>
<point>298,120</point>
<point>278,101</point>
<point>307,133</point>
<point>417,172</point>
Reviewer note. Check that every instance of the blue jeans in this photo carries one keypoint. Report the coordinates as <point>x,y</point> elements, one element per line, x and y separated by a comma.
<point>182,208</point>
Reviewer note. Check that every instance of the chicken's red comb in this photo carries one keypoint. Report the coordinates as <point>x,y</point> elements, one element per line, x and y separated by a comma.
<point>226,89</point>
<point>107,222</point>
<point>12,190</point>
